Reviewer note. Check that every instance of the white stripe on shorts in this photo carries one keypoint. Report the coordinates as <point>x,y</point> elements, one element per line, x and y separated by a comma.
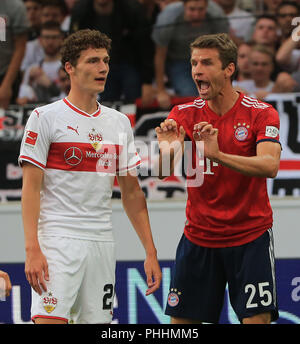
<point>272,261</point>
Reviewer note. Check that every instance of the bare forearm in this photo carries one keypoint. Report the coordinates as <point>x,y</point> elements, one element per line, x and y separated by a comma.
<point>136,210</point>
<point>284,53</point>
<point>30,213</point>
<point>255,166</point>
<point>159,63</point>
<point>15,62</point>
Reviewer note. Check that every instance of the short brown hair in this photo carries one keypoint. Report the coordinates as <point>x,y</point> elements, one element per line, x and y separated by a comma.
<point>83,40</point>
<point>264,50</point>
<point>223,43</point>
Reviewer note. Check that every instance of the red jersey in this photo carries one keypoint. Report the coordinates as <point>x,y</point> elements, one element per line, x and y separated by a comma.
<point>229,208</point>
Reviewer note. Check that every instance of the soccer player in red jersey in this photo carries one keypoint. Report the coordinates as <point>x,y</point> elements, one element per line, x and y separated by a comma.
<point>228,231</point>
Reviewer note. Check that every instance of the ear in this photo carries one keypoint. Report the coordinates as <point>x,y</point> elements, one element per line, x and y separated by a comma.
<point>69,68</point>
<point>229,70</point>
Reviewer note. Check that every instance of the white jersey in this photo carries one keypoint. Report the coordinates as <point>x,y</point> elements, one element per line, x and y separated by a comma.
<point>80,155</point>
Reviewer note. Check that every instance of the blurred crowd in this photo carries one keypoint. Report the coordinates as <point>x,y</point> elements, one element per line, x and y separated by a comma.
<point>150,46</point>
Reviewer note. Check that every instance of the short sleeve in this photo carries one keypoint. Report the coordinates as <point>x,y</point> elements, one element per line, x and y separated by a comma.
<point>36,140</point>
<point>19,20</point>
<point>267,125</point>
<point>129,157</point>
<point>174,115</point>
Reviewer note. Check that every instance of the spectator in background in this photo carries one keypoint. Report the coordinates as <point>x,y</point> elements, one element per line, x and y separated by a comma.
<point>40,82</point>
<point>172,35</point>
<point>260,83</point>
<point>131,59</point>
<point>52,10</point>
<point>266,32</point>
<point>243,65</point>
<point>261,67</point>
<point>163,3</point>
<point>270,6</point>
<point>64,83</point>
<point>12,49</point>
<point>285,13</point>
<point>288,55</point>
<point>154,7</point>
<point>34,11</point>
<point>240,21</point>
<point>67,20</point>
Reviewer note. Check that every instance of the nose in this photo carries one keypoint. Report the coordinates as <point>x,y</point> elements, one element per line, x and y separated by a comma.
<point>103,67</point>
<point>196,69</point>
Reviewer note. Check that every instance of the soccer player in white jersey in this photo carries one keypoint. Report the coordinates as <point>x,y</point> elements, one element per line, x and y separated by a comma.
<point>71,152</point>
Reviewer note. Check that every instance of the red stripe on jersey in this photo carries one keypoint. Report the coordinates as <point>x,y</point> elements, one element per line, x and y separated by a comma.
<point>289,165</point>
<point>74,108</point>
<point>27,158</point>
<point>75,156</point>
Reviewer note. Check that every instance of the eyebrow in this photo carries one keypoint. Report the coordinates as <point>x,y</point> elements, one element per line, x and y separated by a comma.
<point>205,60</point>
<point>97,58</point>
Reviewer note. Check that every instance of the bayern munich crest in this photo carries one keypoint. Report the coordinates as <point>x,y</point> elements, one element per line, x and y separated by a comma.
<point>173,297</point>
<point>241,131</point>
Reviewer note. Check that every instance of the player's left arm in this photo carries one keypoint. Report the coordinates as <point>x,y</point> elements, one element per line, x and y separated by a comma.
<point>135,205</point>
<point>264,164</point>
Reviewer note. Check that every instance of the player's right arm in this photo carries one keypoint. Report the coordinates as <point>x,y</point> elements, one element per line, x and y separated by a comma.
<point>36,267</point>
<point>171,144</point>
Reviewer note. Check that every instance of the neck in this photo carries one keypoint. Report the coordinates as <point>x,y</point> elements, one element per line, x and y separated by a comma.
<point>224,101</point>
<point>83,100</point>
<point>244,76</point>
<point>262,83</point>
<point>51,58</point>
<point>228,9</point>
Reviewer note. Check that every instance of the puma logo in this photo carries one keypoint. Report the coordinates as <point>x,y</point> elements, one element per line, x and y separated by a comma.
<point>71,128</point>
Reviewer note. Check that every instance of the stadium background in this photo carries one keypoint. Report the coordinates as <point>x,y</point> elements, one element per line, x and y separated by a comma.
<point>166,203</point>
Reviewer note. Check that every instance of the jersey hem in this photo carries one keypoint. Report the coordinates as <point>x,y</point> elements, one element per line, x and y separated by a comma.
<point>209,244</point>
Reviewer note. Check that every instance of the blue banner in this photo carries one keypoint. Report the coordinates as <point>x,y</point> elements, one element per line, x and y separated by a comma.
<point>131,306</point>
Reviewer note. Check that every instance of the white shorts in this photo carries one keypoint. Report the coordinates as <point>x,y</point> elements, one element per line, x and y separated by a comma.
<point>81,284</point>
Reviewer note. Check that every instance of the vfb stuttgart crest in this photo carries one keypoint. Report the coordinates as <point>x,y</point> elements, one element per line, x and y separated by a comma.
<point>49,302</point>
<point>95,139</point>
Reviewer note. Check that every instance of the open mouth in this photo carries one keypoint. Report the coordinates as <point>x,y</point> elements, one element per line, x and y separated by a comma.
<point>203,85</point>
<point>100,79</point>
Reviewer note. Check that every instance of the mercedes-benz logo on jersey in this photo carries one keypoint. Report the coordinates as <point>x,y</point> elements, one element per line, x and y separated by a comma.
<point>73,156</point>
